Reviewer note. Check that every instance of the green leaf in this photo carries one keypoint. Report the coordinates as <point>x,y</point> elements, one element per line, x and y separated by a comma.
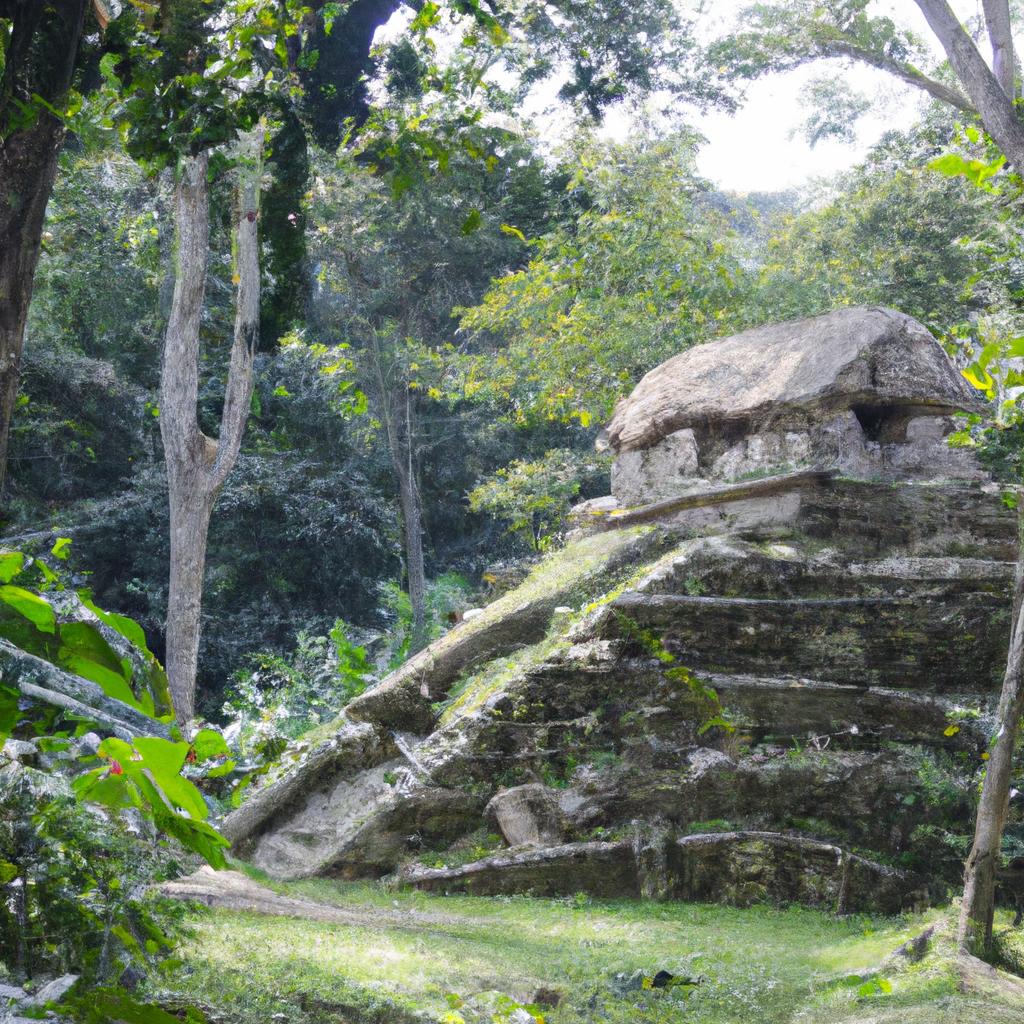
<point>10,711</point>
<point>209,743</point>
<point>31,606</point>
<point>225,768</point>
<point>11,563</point>
<point>112,683</point>
<point>60,549</point>
<point>977,377</point>
<point>515,232</point>
<point>128,628</point>
<point>8,872</point>
<point>472,222</point>
<point>164,759</point>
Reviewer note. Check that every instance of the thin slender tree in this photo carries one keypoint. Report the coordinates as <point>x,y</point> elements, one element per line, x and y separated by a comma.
<point>197,465</point>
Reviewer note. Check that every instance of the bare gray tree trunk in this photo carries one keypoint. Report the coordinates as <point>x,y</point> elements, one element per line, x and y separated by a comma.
<point>197,466</point>
<point>1000,33</point>
<point>397,413</point>
<point>974,931</point>
<point>993,103</point>
<point>992,92</point>
<point>412,521</point>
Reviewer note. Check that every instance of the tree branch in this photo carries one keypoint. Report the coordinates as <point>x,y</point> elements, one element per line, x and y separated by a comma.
<point>238,393</point>
<point>993,105</point>
<point>179,379</point>
<point>898,69</point>
<point>1000,34</point>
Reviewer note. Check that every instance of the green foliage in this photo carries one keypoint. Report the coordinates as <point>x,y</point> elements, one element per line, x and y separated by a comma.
<point>639,273</point>
<point>890,231</point>
<point>280,699</point>
<point>29,620</point>
<point>82,842</point>
<point>76,896</point>
<point>445,595</point>
<point>533,498</point>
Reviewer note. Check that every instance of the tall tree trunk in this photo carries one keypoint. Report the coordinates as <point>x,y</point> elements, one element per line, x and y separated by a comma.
<point>993,103</point>
<point>197,466</point>
<point>977,910</point>
<point>992,92</point>
<point>39,62</point>
<point>396,407</point>
<point>412,522</point>
<point>1000,34</point>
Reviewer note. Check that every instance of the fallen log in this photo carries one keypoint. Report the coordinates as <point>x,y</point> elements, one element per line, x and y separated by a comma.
<point>727,493</point>
<point>43,681</point>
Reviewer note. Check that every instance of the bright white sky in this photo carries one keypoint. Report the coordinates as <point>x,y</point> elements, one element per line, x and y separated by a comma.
<point>753,150</point>
<point>758,149</point>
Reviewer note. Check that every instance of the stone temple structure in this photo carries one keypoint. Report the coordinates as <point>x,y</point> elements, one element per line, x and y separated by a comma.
<point>765,668</point>
<point>865,391</point>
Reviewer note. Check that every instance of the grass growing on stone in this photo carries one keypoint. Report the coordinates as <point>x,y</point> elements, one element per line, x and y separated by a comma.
<point>758,965</point>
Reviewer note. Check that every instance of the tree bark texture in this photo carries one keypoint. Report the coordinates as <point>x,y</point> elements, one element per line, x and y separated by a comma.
<point>396,406</point>
<point>1000,34</point>
<point>992,92</point>
<point>412,523</point>
<point>39,62</point>
<point>197,466</point>
<point>994,105</point>
<point>974,932</point>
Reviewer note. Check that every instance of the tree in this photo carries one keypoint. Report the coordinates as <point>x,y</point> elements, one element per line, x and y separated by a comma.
<point>38,47</point>
<point>197,465</point>
<point>780,37</point>
<point>393,264</point>
<point>186,76</point>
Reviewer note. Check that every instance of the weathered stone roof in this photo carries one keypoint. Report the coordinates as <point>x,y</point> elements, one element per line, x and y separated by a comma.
<point>855,355</point>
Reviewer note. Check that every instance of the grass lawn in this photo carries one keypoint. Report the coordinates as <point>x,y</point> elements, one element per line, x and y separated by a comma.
<point>760,965</point>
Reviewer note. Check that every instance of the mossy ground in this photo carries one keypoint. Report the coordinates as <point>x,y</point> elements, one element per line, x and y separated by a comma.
<point>761,965</point>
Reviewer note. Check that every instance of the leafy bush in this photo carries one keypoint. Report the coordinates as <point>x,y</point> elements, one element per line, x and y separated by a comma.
<point>76,884</point>
<point>533,497</point>
<point>445,596</point>
<point>279,699</point>
<point>83,837</point>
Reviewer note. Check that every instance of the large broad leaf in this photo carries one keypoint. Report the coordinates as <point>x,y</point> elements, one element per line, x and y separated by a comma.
<point>156,678</point>
<point>11,563</point>
<point>164,760</point>
<point>29,605</point>
<point>128,628</point>
<point>197,836</point>
<point>9,711</point>
<point>101,787</point>
<point>80,638</point>
<point>209,743</point>
<point>111,683</point>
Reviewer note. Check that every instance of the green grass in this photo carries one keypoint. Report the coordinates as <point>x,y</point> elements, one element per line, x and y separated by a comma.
<point>760,965</point>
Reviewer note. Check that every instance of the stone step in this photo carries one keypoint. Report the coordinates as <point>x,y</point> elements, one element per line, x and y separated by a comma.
<point>728,567</point>
<point>873,519</point>
<point>740,868</point>
<point>873,799</point>
<point>933,644</point>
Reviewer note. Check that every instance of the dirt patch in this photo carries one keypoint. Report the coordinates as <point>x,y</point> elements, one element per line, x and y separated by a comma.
<point>231,890</point>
